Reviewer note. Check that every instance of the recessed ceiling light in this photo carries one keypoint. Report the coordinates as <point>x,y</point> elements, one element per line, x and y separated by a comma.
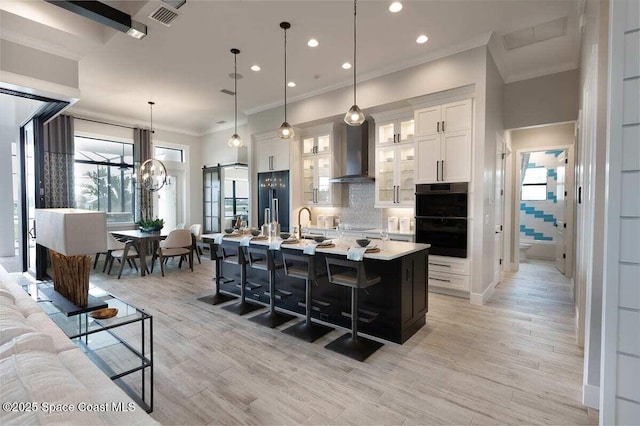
<point>346,66</point>
<point>396,6</point>
<point>312,43</point>
<point>422,39</point>
<point>291,84</point>
<point>255,68</point>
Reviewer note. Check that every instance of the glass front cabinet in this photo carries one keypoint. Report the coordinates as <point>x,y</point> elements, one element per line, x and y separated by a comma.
<point>395,154</point>
<point>320,163</point>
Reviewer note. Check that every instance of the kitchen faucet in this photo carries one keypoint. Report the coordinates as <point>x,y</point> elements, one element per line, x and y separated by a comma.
<point>299,222</point>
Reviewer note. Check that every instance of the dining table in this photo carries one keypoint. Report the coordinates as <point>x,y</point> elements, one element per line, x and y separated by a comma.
<point>142,240</point>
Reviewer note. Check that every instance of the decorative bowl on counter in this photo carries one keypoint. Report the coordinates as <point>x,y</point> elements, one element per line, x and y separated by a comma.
<point>285,235</point>
<point>255,232</point>
<point>363,242</point>
<point>229,231</point>
<point>319,238</point>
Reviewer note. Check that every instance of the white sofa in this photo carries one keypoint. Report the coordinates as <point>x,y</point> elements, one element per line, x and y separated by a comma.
<point>46,379</point>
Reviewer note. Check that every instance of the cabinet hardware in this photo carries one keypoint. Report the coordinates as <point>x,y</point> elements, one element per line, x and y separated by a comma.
<point>398,137</point>
<point>438,170</point>
<point>438,279</point>
<point>398,196</point>
<point>438,127</point>
<point>443,125</point>
<point>440,264</point>
<point>442,171</point>
<point>394,138</point>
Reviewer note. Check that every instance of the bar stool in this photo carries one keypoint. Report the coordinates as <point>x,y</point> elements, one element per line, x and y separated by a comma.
<point>243,307</point>
<point>216,298</point>
<point>303,267</point>
<point>352,274</point>
<point>263,259</point>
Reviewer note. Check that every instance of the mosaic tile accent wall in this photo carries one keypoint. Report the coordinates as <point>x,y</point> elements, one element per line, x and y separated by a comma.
<point>537,218</point>
<point>357,206</point>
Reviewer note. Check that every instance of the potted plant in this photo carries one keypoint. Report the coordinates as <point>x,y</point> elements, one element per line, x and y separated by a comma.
<point>150,225</point>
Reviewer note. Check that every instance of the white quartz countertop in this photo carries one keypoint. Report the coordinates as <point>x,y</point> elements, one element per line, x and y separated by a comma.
<point>392,249</point>
<point>314,230</point>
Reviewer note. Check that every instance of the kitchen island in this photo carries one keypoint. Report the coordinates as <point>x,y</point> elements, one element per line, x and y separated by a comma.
<point>393,309</point>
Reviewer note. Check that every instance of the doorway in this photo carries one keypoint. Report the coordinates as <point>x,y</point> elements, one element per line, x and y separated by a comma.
<point>21,131</point>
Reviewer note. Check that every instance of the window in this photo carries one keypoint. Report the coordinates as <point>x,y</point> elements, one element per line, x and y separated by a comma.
<point>169,154</point>
<point>534,184</point>
<point>104,177</point>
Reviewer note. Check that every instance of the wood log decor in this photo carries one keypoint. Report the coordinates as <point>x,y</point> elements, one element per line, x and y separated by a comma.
<point>71,277</point>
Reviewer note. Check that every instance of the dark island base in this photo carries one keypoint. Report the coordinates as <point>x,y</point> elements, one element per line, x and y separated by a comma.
<point>392,310</point>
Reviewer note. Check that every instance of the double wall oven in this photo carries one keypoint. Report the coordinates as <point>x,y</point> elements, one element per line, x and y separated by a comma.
<point>441,218</point>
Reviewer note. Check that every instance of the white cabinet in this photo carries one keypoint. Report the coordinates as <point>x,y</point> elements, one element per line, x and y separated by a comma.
<point>443,143</point>
<point>439,119</point>
<point>394,176</point>
<point>450,273</point>
<point>444,158</point>
<point>320,163</point>
<point>395,153</point>
<point>272,154</point>
<point>399,130</point>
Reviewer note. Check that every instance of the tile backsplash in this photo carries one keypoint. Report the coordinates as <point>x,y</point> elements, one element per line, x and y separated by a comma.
<point>358,200</point>
<point>357,206</point>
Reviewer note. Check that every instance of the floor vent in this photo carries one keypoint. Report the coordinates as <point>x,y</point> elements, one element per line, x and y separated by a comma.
<point>165,15</point>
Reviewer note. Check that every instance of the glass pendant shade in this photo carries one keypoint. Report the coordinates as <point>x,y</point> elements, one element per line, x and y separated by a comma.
<point>235,141</point>
<point>286,131</point>
<point>354,117</point>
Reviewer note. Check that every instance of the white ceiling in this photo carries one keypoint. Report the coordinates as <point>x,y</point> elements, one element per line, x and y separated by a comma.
<point>183,67</point>
<point>15,112</point>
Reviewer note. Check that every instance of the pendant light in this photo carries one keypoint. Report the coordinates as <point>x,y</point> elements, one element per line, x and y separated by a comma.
<point>285,131</point>
<point>355,116</point>
<point>152,174</point>
<point>235,141</point>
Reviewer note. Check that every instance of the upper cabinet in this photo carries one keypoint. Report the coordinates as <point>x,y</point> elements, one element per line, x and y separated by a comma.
<point>320,163</point>
<point>394,186</point>
<point>395,131</point>
<point>443,142</point>
<point>439,119</point>
<point>272,153</point>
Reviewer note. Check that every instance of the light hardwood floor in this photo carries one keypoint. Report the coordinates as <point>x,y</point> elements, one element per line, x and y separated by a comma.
<point>513,360</point>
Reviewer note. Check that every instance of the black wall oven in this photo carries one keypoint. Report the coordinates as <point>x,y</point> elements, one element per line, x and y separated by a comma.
<point>441,218</point>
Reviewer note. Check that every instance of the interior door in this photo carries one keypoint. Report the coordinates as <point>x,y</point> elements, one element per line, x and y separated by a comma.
<point>28,159</point>
<point>498,244</point>
<point>560,215</point>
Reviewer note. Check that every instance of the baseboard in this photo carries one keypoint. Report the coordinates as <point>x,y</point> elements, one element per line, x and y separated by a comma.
<point>591,396</point>
<point>481,299</point>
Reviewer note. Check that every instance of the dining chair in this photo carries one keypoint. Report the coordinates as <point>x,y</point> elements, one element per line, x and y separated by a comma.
<point>127,253</point>
<point>196,230</point>
<point>179,242</point>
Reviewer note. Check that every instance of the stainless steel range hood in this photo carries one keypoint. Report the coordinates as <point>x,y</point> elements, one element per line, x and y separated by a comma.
<point>357,156</point>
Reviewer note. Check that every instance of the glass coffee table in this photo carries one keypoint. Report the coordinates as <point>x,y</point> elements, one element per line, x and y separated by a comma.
<point>121,346</point>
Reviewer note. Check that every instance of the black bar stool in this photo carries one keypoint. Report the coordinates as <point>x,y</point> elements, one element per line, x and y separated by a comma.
<point>242,307</point>
<point>303,267</point>
<point>352,274</point>
<point>264,259</point>
<point>216,298</point>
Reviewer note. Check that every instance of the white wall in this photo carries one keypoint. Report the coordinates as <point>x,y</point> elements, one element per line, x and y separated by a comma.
<point>591,167</point>
<point>548,99</point>
<point>494,128</point>
<point>33,71</point>
<point>620,367</point>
